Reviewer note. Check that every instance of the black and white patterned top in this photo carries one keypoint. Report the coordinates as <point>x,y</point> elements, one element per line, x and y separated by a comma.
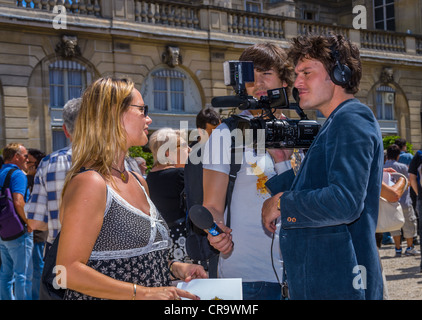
<point>131,246</point>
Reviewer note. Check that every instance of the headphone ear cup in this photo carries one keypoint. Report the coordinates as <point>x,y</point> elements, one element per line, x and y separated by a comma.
<point>340,74</point>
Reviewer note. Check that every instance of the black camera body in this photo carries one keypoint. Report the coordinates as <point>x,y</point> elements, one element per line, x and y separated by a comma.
<point>287,133</point>
<point>279,133</point>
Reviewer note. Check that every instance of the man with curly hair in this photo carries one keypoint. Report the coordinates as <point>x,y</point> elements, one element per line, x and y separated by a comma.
<point>329,215</point>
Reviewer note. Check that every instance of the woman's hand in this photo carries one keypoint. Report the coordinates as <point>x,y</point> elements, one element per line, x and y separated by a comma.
<point>164,293</point>
<point>188,271</point>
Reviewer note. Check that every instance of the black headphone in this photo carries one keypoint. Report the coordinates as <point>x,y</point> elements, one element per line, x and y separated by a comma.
<point>340,73</point>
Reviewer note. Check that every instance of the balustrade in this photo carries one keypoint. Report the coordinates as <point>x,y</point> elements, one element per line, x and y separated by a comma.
<point>174,15</point>
<point>245,23</point>
<point>304,28</point>
<point>242,23</point>
<point>385,41</point>
<point>88,7</point>
<point>419,45</point>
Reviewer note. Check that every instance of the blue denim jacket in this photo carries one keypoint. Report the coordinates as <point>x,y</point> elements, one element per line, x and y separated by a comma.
<point>329,213</point>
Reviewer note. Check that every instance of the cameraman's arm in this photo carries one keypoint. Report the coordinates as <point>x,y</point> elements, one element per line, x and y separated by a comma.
<point>215,188</point>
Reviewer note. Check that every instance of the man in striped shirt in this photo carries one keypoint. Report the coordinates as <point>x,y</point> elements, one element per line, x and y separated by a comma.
<point>42,209</point>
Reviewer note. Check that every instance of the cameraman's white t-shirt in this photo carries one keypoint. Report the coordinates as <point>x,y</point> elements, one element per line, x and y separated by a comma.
<point>251,256</point>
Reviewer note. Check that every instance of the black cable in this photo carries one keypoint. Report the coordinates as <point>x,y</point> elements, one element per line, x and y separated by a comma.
<point>272,260</point>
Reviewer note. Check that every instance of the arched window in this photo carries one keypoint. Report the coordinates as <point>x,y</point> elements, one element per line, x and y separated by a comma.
<point>385,103</point>
<point>172,96</point>
<point>171,90</point>
<point>384,107</point>
<point>67,79</point>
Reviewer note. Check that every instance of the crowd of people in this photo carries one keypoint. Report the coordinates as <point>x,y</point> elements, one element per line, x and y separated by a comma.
<point>123,233</point>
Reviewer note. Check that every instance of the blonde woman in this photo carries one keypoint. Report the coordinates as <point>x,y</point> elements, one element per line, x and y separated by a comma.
<point>166,184</point>
<point>113,242</point>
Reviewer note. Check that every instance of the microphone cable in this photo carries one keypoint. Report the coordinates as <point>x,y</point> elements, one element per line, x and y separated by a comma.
<point>272,259</point>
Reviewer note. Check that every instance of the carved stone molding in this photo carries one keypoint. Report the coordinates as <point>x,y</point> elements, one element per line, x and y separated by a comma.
<point>68,47</point>
<point>172,56</point>
<point>387,75</point>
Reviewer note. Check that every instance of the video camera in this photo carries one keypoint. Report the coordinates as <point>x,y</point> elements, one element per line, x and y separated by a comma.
<point>279,133</point>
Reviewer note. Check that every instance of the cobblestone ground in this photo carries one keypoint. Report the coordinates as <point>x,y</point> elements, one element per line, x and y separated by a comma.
<point>404,279</point>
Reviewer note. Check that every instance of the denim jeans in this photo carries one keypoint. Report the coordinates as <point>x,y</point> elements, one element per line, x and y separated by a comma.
<point>15,258</point>
<point>38,265</point>
<point>261,291</point>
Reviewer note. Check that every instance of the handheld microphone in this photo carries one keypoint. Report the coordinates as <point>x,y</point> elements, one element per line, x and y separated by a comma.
<point>202,218</point>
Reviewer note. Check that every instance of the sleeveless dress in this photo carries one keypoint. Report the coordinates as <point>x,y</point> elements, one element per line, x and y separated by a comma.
<point>131,246</point>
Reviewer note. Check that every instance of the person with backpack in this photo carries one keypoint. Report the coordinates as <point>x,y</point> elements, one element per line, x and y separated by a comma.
<point>247,250</point>
<point>15,250</point>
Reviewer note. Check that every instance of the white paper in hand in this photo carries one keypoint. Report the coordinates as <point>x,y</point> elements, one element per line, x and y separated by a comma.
<point>214,289</point>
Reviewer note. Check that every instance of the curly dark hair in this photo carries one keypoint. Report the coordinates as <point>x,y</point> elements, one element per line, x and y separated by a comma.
<point>268,55</point>
<point>320,48</point>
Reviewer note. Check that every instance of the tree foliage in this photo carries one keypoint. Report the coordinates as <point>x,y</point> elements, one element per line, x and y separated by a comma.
<point>389,140</point>
<point>140,152</point>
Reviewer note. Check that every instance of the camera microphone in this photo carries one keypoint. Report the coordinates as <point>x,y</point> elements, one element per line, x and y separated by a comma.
<point>226,102</point>
<point>241,102</point>
<point>202,218</point>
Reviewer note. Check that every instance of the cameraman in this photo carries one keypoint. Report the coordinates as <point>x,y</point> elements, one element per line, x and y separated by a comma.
<point>251,257</point>
<point>330,213</point>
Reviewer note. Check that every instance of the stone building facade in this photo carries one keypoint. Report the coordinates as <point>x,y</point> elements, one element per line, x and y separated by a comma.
<point>174,51</point>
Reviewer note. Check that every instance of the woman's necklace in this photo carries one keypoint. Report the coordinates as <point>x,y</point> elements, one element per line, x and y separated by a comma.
<point>122,173</point>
